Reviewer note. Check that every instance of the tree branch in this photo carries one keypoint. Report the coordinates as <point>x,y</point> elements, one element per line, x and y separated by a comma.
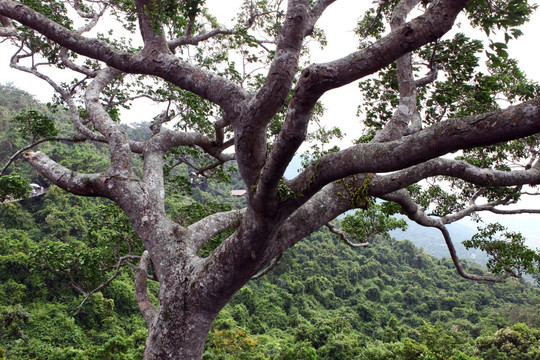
<point>195,40</point>
<point>439,139</point>
<point>151,29</point>
<point>457,169</point>
<point>311,216</point>
<point>514,212</point>
<point>344,237</point>
<point>76,183</point>
<point>406,112</point>
<point>273,263</point>
<point>205,229</point>
<point>13,157</point>
<point>141,290</point>
<point>430,77</point>
<point>319,8</point>
<point>117,268</point>
<point>416,214</point>
<point>118,142</point>
<point>215,88</point>
<point>319,78</point>
<point>7,28</point>
<point>250,135</point>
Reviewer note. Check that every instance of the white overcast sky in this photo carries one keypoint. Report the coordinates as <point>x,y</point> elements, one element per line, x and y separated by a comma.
<point>338,23</point>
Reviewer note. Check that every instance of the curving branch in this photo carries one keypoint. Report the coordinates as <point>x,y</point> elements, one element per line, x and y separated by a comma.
<point>161,63</point>
<point>319,8</point>
<point>141,290</point>
<point>14,63</point>
<point>75,67</point>
<point>74,182</point>
<point>320,78</point>
<point>416,214</point>
<point>456,169</point>
<point>67,96</point>
<point>514,212</point>
<point>118,142</point>
<point>13,157</point>
<point>7,28</point>
<point>167,139</point>
<point>151,30</point>
<point>219,128</point>
<point>314,214</point>
<point>430,77</point>
<point>86,15</point>
<point>222,159</point>
<point>435,22</point>
<point>437,140</point>
<point>203,230</point>
<point>407,111</point>
<point>195,40</point>
<point>344,237</point>
<point>273,263</point>
<point>250,135</point>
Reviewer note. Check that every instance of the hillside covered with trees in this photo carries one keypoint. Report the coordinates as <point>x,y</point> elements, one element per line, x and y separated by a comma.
<point>324,300</point>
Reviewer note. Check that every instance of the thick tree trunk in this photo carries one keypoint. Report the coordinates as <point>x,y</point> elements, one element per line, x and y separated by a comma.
<point>178,328</point>
<point>178,337</point>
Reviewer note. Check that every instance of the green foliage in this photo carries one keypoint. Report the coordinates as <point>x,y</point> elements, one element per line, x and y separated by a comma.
<point>387,301</point>
<point>14,186</point>
<point>12,319</point>
<point>518,342</point>
<point>35,124</point>
<point>492,15</point>
<point>232,344</point>
<point>370,222</point>
<point>507,250</point>
<point>34,42</point>
<point>53,9</point>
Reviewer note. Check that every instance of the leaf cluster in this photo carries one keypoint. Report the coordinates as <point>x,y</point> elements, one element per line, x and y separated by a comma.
<point>35,125</point>
<point>507,250</point>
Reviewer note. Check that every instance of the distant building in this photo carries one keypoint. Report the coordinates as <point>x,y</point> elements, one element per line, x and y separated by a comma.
<point>238,192</point>
<point>36,189</point>
<point>197,180</point>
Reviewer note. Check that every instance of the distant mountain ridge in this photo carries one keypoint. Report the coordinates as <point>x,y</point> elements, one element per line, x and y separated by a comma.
<point>432,241</point>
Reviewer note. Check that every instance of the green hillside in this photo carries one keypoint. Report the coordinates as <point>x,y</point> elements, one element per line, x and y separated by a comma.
<point>324,300</point>
<point>431,240</point>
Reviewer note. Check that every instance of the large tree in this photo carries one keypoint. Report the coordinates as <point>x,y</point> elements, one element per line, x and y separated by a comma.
<point>436,146</point>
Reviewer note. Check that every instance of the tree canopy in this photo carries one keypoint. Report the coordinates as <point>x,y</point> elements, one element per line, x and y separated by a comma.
<point>449,130</point>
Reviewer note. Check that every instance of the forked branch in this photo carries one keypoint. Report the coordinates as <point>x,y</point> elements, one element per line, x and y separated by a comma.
<point>121,262</point>
<point>416,214</point>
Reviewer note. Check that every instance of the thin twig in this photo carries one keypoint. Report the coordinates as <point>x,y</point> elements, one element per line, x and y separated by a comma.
<point>344,236</point>
<point>273,263</point>
<point>106,282</point>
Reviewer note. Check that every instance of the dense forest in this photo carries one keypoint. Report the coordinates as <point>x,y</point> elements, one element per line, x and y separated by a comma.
<point>324,300</point>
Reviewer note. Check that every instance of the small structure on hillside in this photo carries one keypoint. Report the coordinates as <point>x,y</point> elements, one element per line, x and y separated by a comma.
<point>238,193</point>
<point>36,189</point>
